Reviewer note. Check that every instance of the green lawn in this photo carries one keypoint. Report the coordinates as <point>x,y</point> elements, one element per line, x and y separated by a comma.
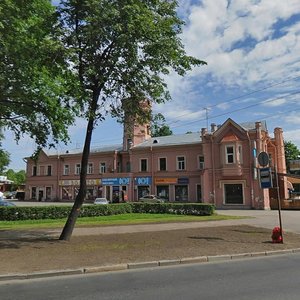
<point>124,219</point>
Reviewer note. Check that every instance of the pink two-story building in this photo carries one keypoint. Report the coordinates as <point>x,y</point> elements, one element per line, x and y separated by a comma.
<point>215,166</point>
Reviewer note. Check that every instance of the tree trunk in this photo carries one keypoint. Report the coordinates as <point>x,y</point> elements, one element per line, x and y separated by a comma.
<point>75,211</point>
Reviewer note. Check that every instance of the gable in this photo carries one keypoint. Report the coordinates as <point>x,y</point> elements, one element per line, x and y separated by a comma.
<point>43,157</point>
<point>230,137</point>
<point>230,132</point>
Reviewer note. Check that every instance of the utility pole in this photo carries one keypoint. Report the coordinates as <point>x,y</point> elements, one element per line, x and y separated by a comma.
<point>206,115</point>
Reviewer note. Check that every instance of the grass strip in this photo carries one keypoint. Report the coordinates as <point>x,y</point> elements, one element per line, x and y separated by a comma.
<point>123,219</point>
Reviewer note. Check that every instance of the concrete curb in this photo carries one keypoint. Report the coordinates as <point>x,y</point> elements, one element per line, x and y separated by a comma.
<point>149,264</point>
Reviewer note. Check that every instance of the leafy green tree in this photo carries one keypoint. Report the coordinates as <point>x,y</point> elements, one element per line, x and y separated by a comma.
<point>119,51</point>
<point>33,73</point>
<point>4,157</point>
<point>4,160</point>
<point>17,177</point>
<point>291,153</point>
<point>159,127</point>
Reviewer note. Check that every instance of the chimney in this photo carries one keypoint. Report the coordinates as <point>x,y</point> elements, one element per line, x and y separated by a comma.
<point>213,127</point>
<point>203,132</point>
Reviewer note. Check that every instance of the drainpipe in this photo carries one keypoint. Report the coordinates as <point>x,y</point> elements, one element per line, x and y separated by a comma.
<point>250,166</point>
<point>152,172</point>
<point>57,171</point>
<point>115,161</point>
<point>213,170</point>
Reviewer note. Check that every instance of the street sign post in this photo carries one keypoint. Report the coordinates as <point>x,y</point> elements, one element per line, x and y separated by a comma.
<point>265,178</point>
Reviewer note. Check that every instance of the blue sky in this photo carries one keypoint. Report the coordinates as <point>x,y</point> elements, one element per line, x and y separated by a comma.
<point>252,50</point>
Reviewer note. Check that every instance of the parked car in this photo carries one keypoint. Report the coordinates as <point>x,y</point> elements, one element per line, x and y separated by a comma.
<point>151,199</point>
<point>101,201</point>
<point>6,203</point>
<point>10,195</point>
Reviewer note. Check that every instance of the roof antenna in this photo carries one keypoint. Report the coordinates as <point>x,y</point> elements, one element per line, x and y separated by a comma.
<point>206,115</point>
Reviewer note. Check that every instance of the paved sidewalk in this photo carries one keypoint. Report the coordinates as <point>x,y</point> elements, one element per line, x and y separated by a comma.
<point>258,218</point>
<point>267,218</point>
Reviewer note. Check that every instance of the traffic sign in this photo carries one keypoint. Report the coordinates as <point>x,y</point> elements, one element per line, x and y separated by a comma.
<point>263,159</point>
<point>265,178</point>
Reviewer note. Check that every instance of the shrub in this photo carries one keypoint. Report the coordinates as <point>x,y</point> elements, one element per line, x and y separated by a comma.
<point>34,213</point>
<point>60,212</point>
<point>198,209</point>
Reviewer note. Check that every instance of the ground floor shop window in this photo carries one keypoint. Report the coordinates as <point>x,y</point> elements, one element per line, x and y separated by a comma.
<point>163,191</point>
<point>181,193</point>
<point>90,194</point>
<point>33,193</point>
<point>48,193</point>
<point>143,190</point>
<point>100,192</point>
<point>66,193</point>
<point>199,193</point>
<point>233,193</point>
<point>116,194</point>
<point>41,195</point>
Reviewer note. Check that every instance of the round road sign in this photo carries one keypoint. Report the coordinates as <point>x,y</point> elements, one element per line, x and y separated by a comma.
<point>263,159</point>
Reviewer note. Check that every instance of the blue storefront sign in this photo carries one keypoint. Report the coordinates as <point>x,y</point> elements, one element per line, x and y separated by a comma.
<point>143,180</point>
<point>116,181</point>
<point>183,180</point>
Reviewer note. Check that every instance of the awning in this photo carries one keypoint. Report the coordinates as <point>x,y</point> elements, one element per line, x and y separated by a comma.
<point>293,179</point>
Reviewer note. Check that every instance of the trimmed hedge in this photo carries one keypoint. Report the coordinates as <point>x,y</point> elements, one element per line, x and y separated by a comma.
<point>33,212</point>
<point>60,212</point>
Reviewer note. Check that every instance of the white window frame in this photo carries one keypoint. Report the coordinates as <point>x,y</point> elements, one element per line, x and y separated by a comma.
<point>77,169</point>
<point>201,164</point>
<point>36,168</point>
<point>51,192</point>
<point>179,166</point>
<point>40,169</point>
<point>159,167</point>
<point>102,167</point>
<point>227,154</point>
<point>240,153</point>
<point>90,168</point>
<point>66,167</point>
<point>46,171</point>
<point>144,159</point>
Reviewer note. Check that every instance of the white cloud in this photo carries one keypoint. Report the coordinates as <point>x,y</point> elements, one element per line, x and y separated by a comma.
<point>276,102</point>
<point>213,29</point>
<point>292,135</point>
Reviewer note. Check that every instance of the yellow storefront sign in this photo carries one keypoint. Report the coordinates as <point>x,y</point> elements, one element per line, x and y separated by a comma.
<point>165,180</point>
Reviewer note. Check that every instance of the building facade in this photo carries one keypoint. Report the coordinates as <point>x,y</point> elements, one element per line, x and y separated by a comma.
<point>216,166</point>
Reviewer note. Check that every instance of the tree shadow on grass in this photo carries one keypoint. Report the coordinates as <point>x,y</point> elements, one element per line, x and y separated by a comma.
<point>17,239</point>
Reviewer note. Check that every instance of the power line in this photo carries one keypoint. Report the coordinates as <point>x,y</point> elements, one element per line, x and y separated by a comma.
<point>236,110</point>
<point>239,97</point>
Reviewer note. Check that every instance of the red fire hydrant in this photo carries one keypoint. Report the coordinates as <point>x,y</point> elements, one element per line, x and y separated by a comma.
<point>276,235</point>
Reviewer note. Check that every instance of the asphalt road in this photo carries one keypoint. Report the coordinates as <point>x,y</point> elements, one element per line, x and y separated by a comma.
<point>275,278</point>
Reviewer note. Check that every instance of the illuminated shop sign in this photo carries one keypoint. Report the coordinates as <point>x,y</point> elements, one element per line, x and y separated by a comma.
<point>143,180</point>
<point>116,181</point>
